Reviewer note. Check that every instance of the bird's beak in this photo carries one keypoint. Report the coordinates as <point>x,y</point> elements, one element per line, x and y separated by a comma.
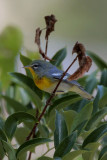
<point>27,66</point>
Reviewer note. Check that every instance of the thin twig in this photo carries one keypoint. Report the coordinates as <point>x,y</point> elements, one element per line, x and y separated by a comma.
<point>49,100</point>
<point>46,48</point>
<point>29,157</point>
<point>37,114</point>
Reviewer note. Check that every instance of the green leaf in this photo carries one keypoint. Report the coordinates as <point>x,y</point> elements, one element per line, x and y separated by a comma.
<point>33,54</point>
<point>95,135</point>
<point>1,123</point>
<point>64,102</point>
<point>26,61</point>
<point>69,118</point>
<point>101,91</point>
<point>45,158</point>
<point>11,122</point>
<point>66,145</point>
<point>15,105</point>
<point>2,135</point>
<point>21,139</point>
<point>73,154</point>
<point>10,43</point>
<point>59,57</point>
<point>57,158</point>
<point>95,119</point>
<point>91,148</point>
<point>104,157</point>
<point>30,145</point>
<point>82,116</point>
<point>103,152</point>
<point>103,80</point>
<point>2,152</point>
<point>60,129</point>
<point>91,79</point>
<point>103,101</point>
<point>80,127</point>
<point>27,81</point>
<point>9,149</point>
<point>98,60</point>
<point>28,84</point>
<point>82,80</point>
<point>44,132</point>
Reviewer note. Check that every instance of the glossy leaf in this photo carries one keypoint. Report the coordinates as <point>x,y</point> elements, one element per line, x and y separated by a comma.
<point>103,101</point>
<point>98,60</point>
<point>80,127</point>
<point>57,158</point>
<point>69,118</point>
<point>21,139</point>
<point>44,132</point>
<point>1,123</point>
<point>60,129</point>
<point>91,82</point>
<point>101,91</point>
<point>11,122</point>
<point>27,146</point>
<point>95,135</point>
<point>28,84</point>
<point>59,57</point>
<point>66,145</point>
<point>103,152</point>
<point>2,152</point>
<point>91,148</point>
<point>9,150</point>
<point>103,80</point>
<point>82,80</point>
<point>82,116</point>
<point>27,81</point>
<point>96,118</point>
<point>104,157</point>
<point>2,135</point>
<point>64,102</point>
<point>73,154</point>
<point>15,105</point>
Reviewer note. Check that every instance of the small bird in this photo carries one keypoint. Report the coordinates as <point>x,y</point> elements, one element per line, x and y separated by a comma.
<point>46,77</point>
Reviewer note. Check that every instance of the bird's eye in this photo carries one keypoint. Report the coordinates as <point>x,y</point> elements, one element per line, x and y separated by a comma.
<point>35,66</point>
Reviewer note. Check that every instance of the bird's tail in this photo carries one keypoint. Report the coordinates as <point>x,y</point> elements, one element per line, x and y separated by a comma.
<point>79,90</point>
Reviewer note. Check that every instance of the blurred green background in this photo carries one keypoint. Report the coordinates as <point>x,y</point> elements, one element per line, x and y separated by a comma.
<point>78,20</point>
<point>81,20</point>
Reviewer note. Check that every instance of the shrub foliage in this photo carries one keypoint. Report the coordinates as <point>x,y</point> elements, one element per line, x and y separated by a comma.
<point>76,127</point>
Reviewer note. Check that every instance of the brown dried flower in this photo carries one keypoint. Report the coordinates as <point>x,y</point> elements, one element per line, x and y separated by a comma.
<point>50,23</point>
<point>85,62</point>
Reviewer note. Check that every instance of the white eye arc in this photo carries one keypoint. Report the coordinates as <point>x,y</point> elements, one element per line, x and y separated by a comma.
<point>35,66</point>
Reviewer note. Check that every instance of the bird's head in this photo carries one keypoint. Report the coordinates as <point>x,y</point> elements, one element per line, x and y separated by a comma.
<point>39,67</point>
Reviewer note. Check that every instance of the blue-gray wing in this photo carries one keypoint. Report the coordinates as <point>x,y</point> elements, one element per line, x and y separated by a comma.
<point>56,74</point>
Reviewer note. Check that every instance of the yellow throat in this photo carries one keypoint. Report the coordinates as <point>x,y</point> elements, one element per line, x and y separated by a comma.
<point>42,83</point>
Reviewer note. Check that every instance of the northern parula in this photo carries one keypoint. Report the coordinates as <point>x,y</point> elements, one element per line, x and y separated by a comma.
<point>46,77</point>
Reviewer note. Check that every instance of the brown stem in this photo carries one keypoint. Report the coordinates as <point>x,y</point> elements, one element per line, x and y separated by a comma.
<point>37,114</point>
<point>46,48</point>
<point>49,100</point>
<point>30,153</point>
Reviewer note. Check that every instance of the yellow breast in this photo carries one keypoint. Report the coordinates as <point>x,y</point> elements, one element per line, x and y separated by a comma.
<point>42,83</point>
